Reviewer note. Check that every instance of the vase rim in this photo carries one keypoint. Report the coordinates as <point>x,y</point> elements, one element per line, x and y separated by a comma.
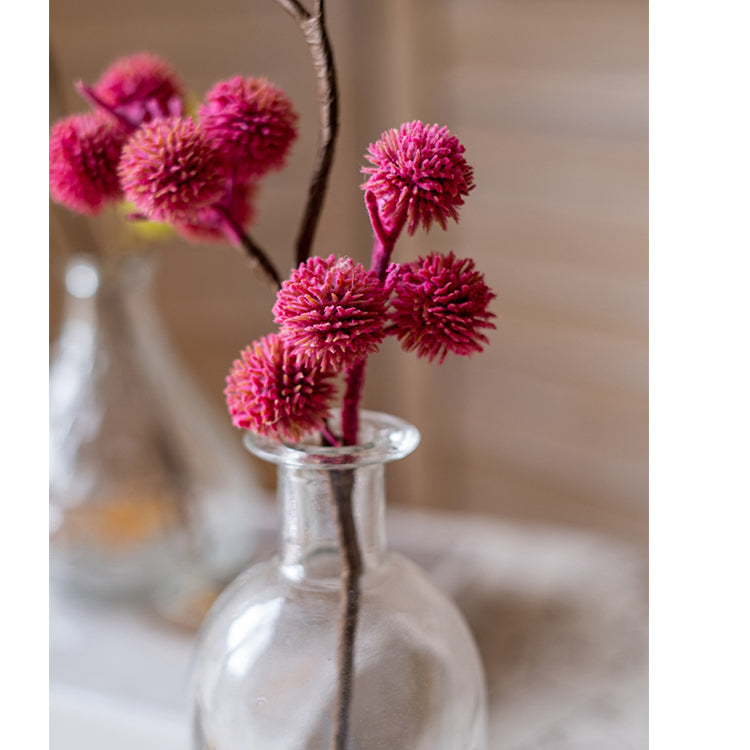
<point>388,438</point>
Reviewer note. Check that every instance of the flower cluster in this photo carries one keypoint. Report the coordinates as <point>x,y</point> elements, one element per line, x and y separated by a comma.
<point>198,175</point>
<point>333,313</point>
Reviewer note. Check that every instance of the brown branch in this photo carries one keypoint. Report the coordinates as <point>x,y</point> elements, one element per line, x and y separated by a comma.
<point>257,255</point>
<point>342,483</point>
<point>295,10</point>
<point>313,27</point>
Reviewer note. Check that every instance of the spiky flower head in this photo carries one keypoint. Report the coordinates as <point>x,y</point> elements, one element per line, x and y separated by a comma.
<point>271,392</point>
<point>438,305</point>
<point>84,151</point>
<point>140,87</point>
<point>210,223</point>
<point>251,122</point>
<point>420,170</point>
<point>170,172</point>
<point>331,311</point>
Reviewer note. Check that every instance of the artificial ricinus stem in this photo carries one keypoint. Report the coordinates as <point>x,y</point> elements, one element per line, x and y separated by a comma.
<point>314,29</point>
<point>342,484</point>
<point>88,94</point>
<point>382,250</point>
<point>355,376</point>
<point>237,236</point>
<point>328,436</point>
<point>385,240</point>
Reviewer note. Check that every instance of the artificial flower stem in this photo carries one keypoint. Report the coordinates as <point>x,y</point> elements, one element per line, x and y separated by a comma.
<point>88,94</point>
<point>385,240</point>
<point>237,236</point>
<point>313,27</point>
<point>328,436</point>
<point>355,376</point>
<point>342,483</point>
<point>377,224</point>
<point>382,250</point>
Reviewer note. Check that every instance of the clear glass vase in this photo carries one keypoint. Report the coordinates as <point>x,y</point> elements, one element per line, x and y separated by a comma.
<point>267,670</point>
<point>149,493</point>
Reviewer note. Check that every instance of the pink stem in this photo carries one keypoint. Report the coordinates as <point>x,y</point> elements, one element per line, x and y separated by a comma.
<point>88,93</point>
<point>355,377</point>
<point>382,250</point>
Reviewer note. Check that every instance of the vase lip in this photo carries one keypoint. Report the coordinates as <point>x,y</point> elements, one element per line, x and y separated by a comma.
<point>388,438</point>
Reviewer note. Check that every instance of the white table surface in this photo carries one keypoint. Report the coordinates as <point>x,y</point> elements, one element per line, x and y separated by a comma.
<point>560,618</point>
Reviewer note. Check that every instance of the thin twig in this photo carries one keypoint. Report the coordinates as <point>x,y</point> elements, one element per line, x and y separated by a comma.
<point>238,236</point>
<point>295,10</point>
<point>313,27</point>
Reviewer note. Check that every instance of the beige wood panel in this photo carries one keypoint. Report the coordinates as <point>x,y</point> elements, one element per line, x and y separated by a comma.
<point>550,99</point>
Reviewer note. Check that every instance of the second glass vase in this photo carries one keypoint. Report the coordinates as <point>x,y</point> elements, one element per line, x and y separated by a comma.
<point>149,494</point>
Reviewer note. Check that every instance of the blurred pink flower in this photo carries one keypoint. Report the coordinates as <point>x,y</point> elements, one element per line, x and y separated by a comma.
<point>140,87</point>
<point>170,172</point>
<point>419,170</point>
<point>251,123</point>
<point>272,393</point>
<point>84,150</point>
<point>439,304</point>
<point>331,311</point>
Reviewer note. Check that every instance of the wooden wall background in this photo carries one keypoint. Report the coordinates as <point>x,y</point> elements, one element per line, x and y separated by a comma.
<point>549,97</point>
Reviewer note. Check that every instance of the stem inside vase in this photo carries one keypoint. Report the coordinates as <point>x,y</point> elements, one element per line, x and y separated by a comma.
<point>342,484</point>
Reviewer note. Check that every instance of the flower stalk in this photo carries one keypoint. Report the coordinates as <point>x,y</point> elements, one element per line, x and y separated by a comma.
<point>258,257</point>
<point>313,27</point>
<point>342,484</point>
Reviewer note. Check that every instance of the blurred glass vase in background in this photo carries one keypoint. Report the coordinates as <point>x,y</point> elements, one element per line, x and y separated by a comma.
<point>150,494</point>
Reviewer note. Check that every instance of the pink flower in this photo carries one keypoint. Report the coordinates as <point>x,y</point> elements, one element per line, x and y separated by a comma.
<point>170,172</point>
<point>140,87</point>
<point>269,391</point>
<point>209,223</point>
<point>251,122</point>
<point>419,170</point>
<point>439,304</point>
<point>331,311</point>
<point>83,154</point>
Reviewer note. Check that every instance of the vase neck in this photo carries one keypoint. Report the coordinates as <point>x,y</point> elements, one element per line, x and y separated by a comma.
<point>309,531</point>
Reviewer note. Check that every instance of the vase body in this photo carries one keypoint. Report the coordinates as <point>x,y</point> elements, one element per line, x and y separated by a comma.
<point>148,492</point>
<point>265,670</point>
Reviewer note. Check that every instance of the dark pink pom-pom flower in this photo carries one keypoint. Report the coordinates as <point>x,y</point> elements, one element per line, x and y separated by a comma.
<point>331,311</point>
<point>419,170</point>
<point>272,393</point>
<point>140,87</point>
<point>83,154</point>
<point>251,122</point>
<point>170,171</point>
<point>438,305</point>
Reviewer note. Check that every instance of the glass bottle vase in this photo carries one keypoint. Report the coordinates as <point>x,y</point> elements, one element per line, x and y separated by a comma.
<point>150,495</point>
<point>267,671</point>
